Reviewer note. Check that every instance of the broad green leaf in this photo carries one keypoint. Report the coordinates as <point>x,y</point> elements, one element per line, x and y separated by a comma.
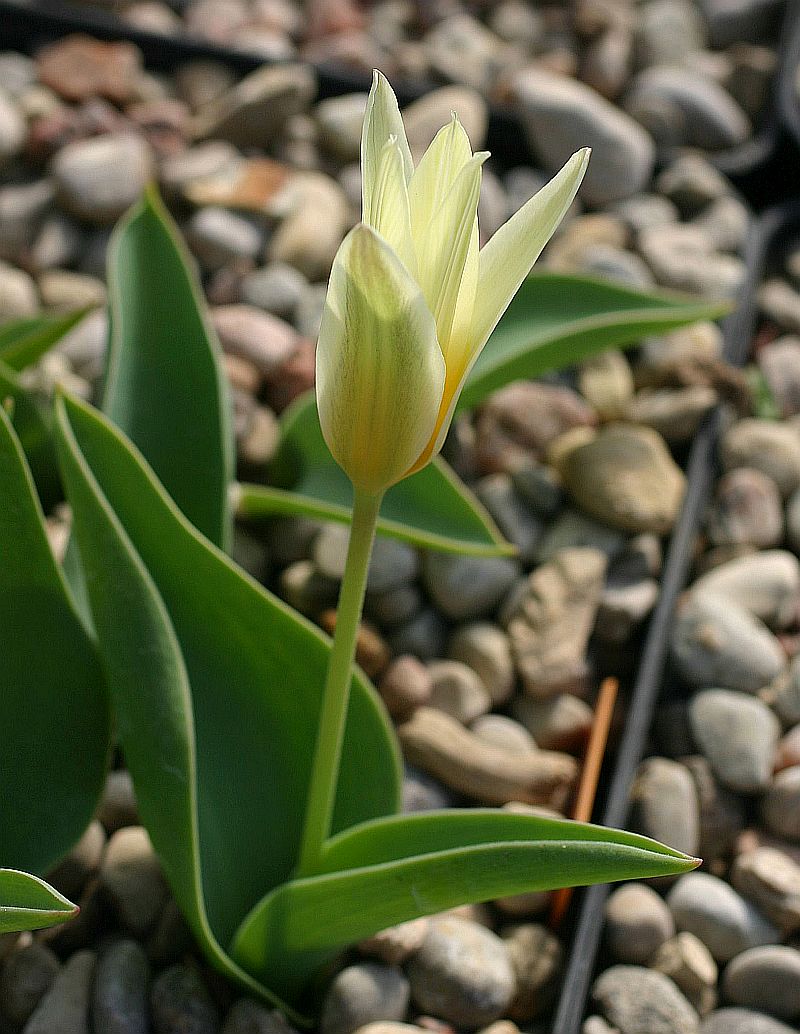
<point>54,708</point>
<point>164,385</point>
<point>394,869</point>
<point>557,319</point>
<point>32,424</point>
<point>217,687</point>
<point>24,341</point>
<point>28,903</point>
<point>432,508</point>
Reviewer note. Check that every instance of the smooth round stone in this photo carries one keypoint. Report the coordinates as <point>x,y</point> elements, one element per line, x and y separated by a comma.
<point>421,792</point>
<point>788,752</point>
<point>264,340</point>
<point>485,647</point>
<point>635,1000</point>
<point>784,694</point>
<point>664,804</point>
<point>674,414</point>
<point>723,920</point>
<point>250,1017</point>
<point>623,606</point>
<point>771,447</point>
<point>715,643</point>
<point>181,1004</point>
<point>218,237</point>
<point>765,979</point>
<point>667,31</point>
<point>405,686</point>
<point>637,923</point>
<point>573,529</point>
<point>462,48</point>
<point>65,1007</point>
<point>743,1021</point>
<point>780,302</point>
<point>680,107</point>
<point>780,806</point>
<point>511,513</point>
<point>537,959</point>
<point>779,361</point>
<point>100,178</point>
<point>612,263</point>
<point>132,878</point>
<point>765,584</point>
<point>119,1003</point>
<point>424,635</point>
<point>25,977</point>
<point>746,510</point>
<point>18,295</point>
<point>458,691</point>
<point>12,129</point>
<point>362,994</point>
<point>462,973</point>
<point>539,487</point>
<point>71,874</point>
<point>690,965</point>
<point>561,723</point>
<point>561,115</point>
<point>625,477</point>
<point>62,290</point>
<point>738,734</point>
<point>277,288</point>
<point>501,731</point>
<point>394,607</point>
<point>467,587</point>
<point>645,210</point>
<point>725,223</point>
<point>793,520</point>
<point>339,121</point>
<point>606,382</point>
<point>683,257</point>
<point>17,72</point>
<point>721,811</point>
<point>392,564</point>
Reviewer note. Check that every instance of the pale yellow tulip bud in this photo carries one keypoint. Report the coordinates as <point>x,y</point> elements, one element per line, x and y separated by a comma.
<point>411,300</point>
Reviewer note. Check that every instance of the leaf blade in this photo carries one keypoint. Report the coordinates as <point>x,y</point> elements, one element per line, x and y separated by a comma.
<point>25,341</point>
<point>28,903</point>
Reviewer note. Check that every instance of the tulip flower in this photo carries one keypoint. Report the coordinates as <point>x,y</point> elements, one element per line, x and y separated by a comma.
<point>412,300</point>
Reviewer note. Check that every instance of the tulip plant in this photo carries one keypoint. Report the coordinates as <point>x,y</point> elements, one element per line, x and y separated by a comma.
<point>267,772</point>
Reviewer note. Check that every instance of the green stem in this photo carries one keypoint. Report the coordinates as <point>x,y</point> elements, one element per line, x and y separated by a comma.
<point>325,769</point>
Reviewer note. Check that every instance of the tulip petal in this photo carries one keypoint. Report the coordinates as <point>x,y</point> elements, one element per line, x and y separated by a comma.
<point>381,120</point>
<point>434,176</point>
<point>445,247</point>
<point>388,212</point>
<point>380,371</point>
<point>507,258</point>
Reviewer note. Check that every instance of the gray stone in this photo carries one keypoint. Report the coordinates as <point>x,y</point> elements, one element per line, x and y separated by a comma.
<point>405,686</point>
<point>683,257</point>
<point>424,635</point>
<point>765,979</point>
<point>575,530</point>
<point>692,182</point>
<point>277,288</point>
<point>743,1021</point>
<point>100,178</point>
<point>779,362</point>
<point>725,222</point>
<point>218,237</point>
<point>204,161</point>
<point>637,923</point>
<point>395,607</point>
<point>738,734</point>
<point>181,1004</point>
<point>561,115</point>
<point>724,921</point>
<point>65,1007</point>
<point>539,487</point>
<point>780,806</point>
<point>317,217</point>
<point>131,877</point>
<point>421,792</point>
<point>12,129</point>
<point>18,295</point>
<point>611,263</point>
<point>644,211</point>
<point>717,644</point>
<point>731,21</point>
<point>362,994</point>
<point>249,1017</point>
<point>675,414</point>
<point>458,691</point>
<point>668,31</point>
<point>425,117</point>
<point>462,973</point>
<point>17,72</point>
<point>746,510</point>
<point>722,813</point>
<point>623,607</point>
<point>26,976</point>
<point>502,731</point>
<point>119,1004</point>
<point>793,521</point>
<point>781,303</point>
<point>22,208</point>
<point>392,565</point>
<point>74,870</point>
<point>560,723</point>
<point>486,649</point>
<point>467,587</point>
<point>264,340</point>
<point>63,291</point>
<point>537,958</point>
<point>784,694</point>
<point>339,121</point>
<point>514,518</point>
<point>771,880</point>
<point>606,382</point>
<point>690,965</point>
<point>665,805</point>
<point>766,585</point>
<point>460,48</point>
<point>642,1001</point>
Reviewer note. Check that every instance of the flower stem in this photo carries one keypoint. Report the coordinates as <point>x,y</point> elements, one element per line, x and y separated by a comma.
<point>325,769</point>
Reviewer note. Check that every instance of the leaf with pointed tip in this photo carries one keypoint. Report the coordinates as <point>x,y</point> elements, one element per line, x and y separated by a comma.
<point>25,341</point>
<point>557,319</point>
<point>164,383</point>
<point>28,903</point>
<point>32,425</point>
<point>433,508</point>
<point>55,708</point>
<point>217,686</point>
<point>393,869</point>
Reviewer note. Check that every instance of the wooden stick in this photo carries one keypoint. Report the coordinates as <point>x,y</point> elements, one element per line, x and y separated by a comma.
<point>590,777</point>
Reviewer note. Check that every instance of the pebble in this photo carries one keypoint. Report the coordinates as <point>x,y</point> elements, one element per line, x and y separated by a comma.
<point>721,811</point>
<point>625,477</point>
<point>99,179</point>
<point>573,529</point>
<point>779,362</point>
<point>392,565</point>
<point>746,510</point>
<point>120,996</point>
<point>743,1021</point>
<point>65,1007</point>
<point>131,876</point>
<point>773,448</point>
<point>642,1001</point>
<point>502,731</point>
<point>738,734</point>
<point>25,977</point>
<point>219,237</point>
<point>683,257</point>
<point>511,514</point>
<point>537,959</point>
<point>316,219</point>
<point>406,685</point>
<point>765,979</point>
<point>339,121</point>
<point>780,302</point>
<point>82,862</point>
<point>467,587</point>
<point>780,805</point>
<point>362,994</point>
<point>18,295</point>
<point>638,923</point>
<point>561,115</point>
<point>725,922</point>
<point>717,644</point>
<point>665,804</point>
<point>181,1004</point>
<point>784,694</point>
<point>396,944</point>
<point>606,382</point>
<point>458,691</point>
<point>425,117</point>
<point>257,336</point>
<point>250,1017</point>
<point>486,649</point>
<point>561,723</point>
<point>462,973</point>
<point>12,130</point>
<point>425,635</point>
<point>624,605</point>
<point>689,964</point>
<point>277,288</point>
<point>793,521</point>
<point>766,585</point>
<point>80,68</point>
<point>674,414</point>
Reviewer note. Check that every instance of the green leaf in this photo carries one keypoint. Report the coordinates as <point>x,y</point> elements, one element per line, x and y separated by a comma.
<point>217,686</point>
<point>54,706</point>
<point>164,386</point>
<point>32,424</point>
<point>394,869</point>
<point>432,508</point>
<point>25,341</point>
<point>557,319</point>
<point>28,903</point>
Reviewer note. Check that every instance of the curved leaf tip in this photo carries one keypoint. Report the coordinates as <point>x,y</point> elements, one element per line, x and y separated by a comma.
<point>28,903</point>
